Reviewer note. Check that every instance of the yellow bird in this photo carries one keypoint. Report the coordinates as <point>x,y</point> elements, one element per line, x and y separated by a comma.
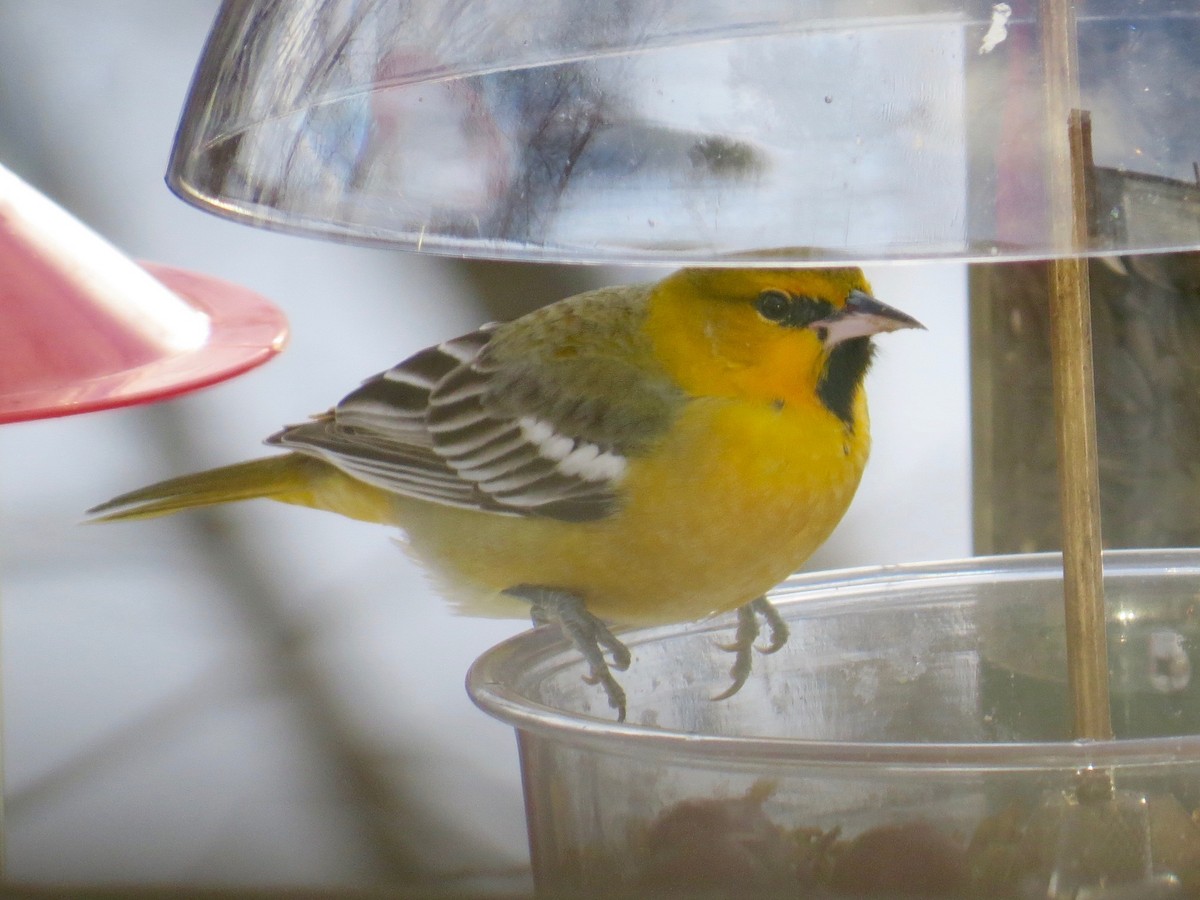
<point>634,455</point>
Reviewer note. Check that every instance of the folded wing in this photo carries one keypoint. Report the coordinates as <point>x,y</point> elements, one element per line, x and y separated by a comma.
<point>473,423</point>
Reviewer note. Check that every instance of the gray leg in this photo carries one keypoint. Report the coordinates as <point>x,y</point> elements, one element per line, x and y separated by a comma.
<point>590,636</point>
<point>747,633</point>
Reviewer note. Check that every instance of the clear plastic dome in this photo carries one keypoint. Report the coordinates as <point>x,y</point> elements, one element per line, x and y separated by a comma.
<point>678,132</point>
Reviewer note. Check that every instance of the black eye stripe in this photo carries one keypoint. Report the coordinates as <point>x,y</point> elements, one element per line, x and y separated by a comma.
<point>793,312</point>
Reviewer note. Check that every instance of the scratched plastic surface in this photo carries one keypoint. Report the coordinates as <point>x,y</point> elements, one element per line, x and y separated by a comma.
<point>674,132</point>
<point>918,713</point>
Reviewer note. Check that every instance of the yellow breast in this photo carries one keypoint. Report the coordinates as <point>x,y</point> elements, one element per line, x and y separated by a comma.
<point>736,498</point>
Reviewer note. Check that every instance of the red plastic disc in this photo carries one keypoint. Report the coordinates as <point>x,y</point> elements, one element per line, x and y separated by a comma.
<point>60,356</point>
<point>83,327</point>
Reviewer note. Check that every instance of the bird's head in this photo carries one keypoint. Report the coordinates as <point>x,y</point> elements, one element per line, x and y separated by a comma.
<point>784,336</point>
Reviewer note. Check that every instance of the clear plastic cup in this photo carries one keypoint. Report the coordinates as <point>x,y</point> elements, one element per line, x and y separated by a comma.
<point>668,132</point>
<point>910,738</point>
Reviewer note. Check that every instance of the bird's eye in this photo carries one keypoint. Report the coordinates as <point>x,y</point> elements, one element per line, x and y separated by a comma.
<point>774,306</point>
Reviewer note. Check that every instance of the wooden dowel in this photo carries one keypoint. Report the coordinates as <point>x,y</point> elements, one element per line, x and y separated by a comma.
<point>1079,492</point>
<point>1069,161</point>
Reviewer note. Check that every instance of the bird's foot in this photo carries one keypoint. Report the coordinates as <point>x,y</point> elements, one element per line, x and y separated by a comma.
<point>747,633</point>
<point>589,634</point>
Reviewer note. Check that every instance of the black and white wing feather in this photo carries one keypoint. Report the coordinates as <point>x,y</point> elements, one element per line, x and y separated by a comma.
<point>465,425</point>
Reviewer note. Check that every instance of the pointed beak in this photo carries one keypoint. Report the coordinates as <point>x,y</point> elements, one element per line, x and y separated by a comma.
<point>862,316</point>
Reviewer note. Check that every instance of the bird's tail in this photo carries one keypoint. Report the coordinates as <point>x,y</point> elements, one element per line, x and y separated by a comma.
<point>287,477</point>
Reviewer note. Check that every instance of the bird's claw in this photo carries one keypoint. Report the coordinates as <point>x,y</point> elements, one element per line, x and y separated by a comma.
<point>590,636</point>
<point>775,624</point>
<point>612,688</point>
<point>621,657</point>
<point>747,632</point>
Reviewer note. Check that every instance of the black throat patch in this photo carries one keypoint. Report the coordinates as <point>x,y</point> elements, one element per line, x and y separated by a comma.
<point>848,363</point>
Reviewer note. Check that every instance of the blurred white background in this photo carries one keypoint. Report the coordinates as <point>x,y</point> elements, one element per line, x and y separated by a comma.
<point>269,695</point>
